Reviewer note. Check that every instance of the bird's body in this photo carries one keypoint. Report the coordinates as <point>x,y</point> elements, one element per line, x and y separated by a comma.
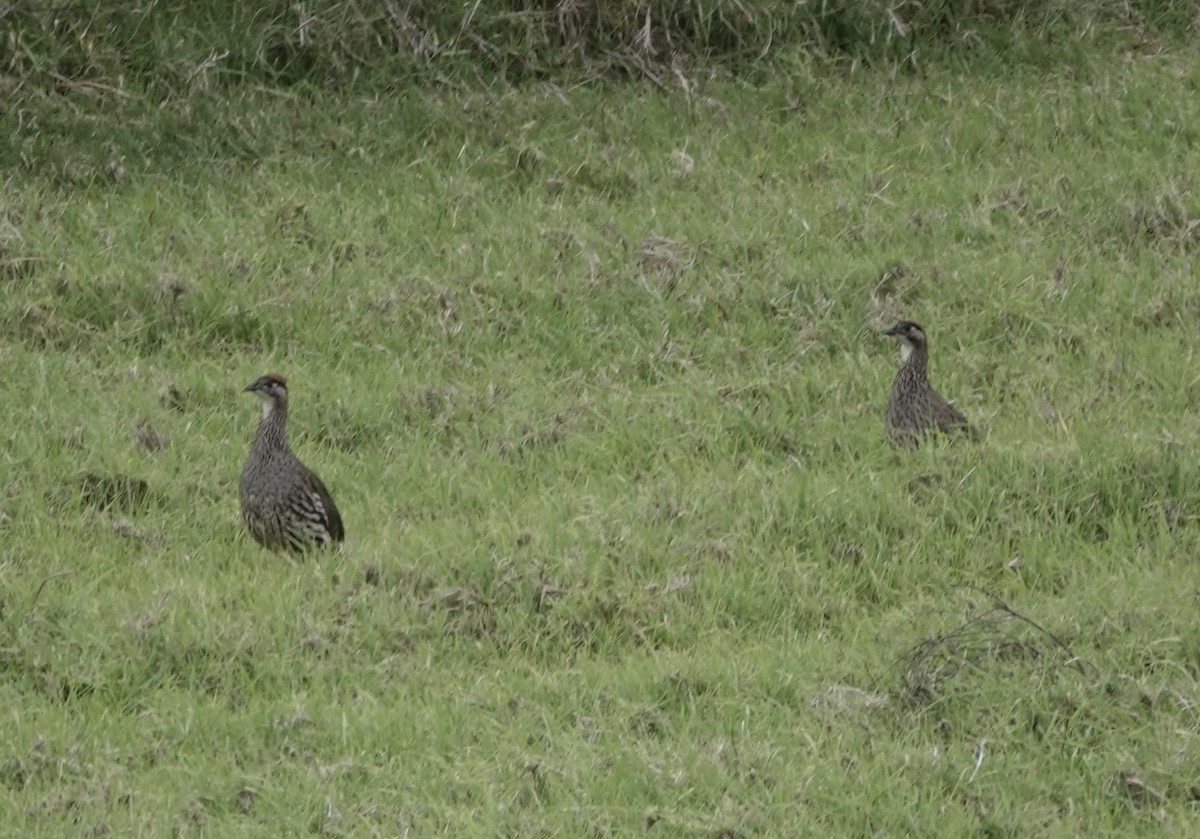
<point>915,410</point>
<point>284,504</point>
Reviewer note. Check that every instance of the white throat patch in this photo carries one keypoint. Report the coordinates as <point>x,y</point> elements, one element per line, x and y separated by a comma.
<point>905,351</point>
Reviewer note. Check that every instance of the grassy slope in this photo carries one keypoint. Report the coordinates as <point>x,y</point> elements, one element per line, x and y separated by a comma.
<point>604,421</point>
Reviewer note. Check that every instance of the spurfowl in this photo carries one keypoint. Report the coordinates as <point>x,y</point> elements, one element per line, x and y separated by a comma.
<point>284,504</point>
<point>915,409</point>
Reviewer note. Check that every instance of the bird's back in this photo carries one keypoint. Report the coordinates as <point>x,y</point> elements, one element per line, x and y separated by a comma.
<point>915,410</point>
<point>284,503</point>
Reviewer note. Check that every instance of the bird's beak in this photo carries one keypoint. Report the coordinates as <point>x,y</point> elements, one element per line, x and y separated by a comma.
<point>250,387</point>
<point>892,330</point>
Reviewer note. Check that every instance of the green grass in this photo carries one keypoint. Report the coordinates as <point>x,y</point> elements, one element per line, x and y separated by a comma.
<point>595,378</point>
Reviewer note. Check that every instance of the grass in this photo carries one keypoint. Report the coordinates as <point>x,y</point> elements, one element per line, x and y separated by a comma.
<point>593,374</point>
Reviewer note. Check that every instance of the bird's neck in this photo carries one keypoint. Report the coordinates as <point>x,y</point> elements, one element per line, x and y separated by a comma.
<point>273,426</point>
<point>914,360</point>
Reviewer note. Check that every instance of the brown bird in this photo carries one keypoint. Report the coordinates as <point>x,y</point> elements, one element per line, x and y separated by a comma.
<point>285,506</point>
<point>915,409</point>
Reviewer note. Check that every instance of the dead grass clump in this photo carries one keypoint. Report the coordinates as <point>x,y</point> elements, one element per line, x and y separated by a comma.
<point>121,492</point>
<point>998,638</point>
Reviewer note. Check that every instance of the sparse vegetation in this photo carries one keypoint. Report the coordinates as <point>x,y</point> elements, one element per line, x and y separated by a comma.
<point>593,372</point>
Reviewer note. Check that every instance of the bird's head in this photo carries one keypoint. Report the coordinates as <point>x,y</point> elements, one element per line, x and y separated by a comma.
<point>911,336</point>
<point>272,387</point>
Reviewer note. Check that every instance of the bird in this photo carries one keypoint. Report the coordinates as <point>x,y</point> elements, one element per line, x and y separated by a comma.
<point>915,410</point>
<point>284,504</point>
